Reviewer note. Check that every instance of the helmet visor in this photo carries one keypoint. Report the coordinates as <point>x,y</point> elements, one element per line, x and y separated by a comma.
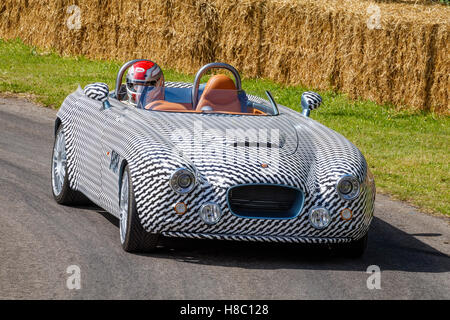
<point>138,90</point>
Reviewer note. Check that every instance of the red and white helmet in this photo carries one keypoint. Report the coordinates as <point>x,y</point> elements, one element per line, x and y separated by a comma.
<point>140,75</point>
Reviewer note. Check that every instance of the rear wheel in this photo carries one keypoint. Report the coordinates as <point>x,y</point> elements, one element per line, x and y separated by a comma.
<point>62,193</point>
<point>132,235</point>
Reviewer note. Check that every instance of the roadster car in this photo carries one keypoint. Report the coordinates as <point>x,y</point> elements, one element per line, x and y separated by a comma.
<point>211,161</point>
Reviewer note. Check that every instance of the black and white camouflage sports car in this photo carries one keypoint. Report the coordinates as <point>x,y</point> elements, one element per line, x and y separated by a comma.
<point>210,161</point>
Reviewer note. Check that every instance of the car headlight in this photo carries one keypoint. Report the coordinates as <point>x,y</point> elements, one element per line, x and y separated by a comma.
<point>182,181</point>
<point>210,213</point>
<point>319,217</point>
<point>348,187</point>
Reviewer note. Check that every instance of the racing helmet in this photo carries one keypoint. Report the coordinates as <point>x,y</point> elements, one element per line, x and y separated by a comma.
<point>140,75</point>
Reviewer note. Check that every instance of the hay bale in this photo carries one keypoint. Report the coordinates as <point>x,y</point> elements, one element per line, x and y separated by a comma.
<point>320,44</point>
<point>241,34</point>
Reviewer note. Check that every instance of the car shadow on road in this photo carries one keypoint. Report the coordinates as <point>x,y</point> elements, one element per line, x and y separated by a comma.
<point>389,248</point>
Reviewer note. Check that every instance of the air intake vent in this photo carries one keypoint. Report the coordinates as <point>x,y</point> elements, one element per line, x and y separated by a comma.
<point>265,201</point>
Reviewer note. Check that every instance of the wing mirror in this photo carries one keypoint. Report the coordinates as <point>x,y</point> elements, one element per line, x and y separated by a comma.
<point>310,101</point>
<point>98,91</point>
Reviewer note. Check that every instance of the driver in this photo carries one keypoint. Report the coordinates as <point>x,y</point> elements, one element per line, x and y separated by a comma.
<point>148,76</point>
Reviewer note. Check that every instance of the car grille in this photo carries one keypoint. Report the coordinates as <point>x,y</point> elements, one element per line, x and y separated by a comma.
<point>265,201</point>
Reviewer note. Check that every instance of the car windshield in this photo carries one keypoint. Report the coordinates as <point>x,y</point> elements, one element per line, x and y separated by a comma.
<point>175,97</point>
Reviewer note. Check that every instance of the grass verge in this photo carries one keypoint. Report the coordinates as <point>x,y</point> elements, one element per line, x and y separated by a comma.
<point>408,152</point>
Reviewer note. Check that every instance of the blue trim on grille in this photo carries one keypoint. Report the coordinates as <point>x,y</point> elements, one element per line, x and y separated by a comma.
<point>297,208</point>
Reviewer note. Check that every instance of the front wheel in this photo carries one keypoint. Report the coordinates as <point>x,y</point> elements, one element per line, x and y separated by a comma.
<point>132,235</point>
<point>62,193</point>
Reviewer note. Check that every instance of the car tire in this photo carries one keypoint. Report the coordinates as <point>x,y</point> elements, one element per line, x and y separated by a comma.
<point>355,249</point>
<point>132,235</point>
<point>62,193</point>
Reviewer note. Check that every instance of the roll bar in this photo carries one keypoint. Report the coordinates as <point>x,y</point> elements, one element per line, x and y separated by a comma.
<point>204,69</point>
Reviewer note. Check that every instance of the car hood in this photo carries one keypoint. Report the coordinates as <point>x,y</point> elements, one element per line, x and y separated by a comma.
<point>192,133</point>
<point>284,149</point>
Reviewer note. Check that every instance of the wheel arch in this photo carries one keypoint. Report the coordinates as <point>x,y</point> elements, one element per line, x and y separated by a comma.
<point>58,123</point>
<point>123,164</point>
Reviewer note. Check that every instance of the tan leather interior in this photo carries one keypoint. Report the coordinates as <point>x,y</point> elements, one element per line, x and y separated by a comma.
<point>162,105</point>
<point>258,112</point>
<point>220,94</point>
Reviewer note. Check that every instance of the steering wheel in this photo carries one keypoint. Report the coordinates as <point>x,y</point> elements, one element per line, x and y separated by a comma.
<point>204,69</point>
<point>123,68</point>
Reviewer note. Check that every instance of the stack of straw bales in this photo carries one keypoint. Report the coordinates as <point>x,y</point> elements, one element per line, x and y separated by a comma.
<point>387,52</point>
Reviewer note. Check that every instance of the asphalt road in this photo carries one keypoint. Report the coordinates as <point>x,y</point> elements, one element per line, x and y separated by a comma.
<point>39,240</point>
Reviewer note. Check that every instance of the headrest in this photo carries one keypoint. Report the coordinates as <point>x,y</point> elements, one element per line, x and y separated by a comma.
<point>220,81</point>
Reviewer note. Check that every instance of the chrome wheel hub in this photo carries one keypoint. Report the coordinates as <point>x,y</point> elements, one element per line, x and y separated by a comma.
<point>124,207</point>
<point>59,163</point>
